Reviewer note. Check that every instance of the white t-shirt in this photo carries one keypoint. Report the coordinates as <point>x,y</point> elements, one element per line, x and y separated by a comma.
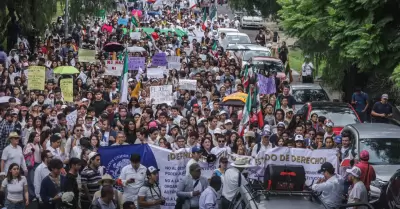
<point>15,189</point>
<point>358,191</point>
<point>231,183</point>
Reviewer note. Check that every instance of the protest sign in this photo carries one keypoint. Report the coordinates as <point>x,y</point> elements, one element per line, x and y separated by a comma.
<point>36,77</point>
<point>173,59</point>
<point>135,35</point>
<point>159,59</point>
<point>187,84</point>
<point>136,62</point>
<point>122,21</point>
<point>67,89</point>
<point>203,57</point>
<point>155,73</point>
<point>187,51</point>
<point>71,119</point>
<point>161,94</point>
<point>86,55</point>
<point>174,65</point>
<point>114,67</point>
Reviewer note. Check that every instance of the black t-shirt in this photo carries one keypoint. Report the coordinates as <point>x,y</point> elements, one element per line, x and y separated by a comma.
<point>380,108</point>
<point>290,98</point>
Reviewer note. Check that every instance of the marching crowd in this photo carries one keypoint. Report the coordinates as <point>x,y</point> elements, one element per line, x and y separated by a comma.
<point>49,159</point>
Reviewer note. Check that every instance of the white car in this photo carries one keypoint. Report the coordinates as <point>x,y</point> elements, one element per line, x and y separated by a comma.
<point>237,38</point>
<point>255,51</point>
<point>251,22</point>
<point>227,30</point>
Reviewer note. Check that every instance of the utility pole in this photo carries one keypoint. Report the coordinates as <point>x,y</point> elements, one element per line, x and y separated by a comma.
<point>66,18</point>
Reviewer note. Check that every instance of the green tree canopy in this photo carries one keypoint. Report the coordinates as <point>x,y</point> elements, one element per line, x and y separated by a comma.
<point>266,7</point>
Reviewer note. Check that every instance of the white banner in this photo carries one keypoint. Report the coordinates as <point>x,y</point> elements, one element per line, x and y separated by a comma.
<point>114,67</point>
<point>173,59</point>
<point>155,73</point>
<point>188,84</point>
<point>161,94</point>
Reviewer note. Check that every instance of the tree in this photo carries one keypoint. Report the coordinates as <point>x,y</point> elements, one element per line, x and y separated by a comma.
<point>350,36</point>
<point>266,7</point>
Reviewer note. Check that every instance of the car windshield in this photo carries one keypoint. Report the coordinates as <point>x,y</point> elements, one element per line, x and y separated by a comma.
<point>268,65</point>
<point>232,39</point>
<point>309,95</point>
<point>382,150</point>
<point>340,116</point>
<point>249,54</point>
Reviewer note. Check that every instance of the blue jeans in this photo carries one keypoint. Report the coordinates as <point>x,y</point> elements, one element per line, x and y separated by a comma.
<point>10,205</point>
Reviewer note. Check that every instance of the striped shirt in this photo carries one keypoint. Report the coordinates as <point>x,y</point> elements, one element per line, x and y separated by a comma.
<point>90,178</point>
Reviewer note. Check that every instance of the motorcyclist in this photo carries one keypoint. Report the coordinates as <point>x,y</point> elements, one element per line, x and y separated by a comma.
<point>330,186</point>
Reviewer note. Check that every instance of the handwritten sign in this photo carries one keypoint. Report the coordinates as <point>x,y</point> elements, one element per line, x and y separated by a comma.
<point>187,84</point>
<point>136,62</point>
<point>67,89</point>
<point>174,65</point>
<point>36,77</point>
<point>155,73</point>
<point>86,55</point>
<point>114,67</point>
<point>160,59</point>
<point>135,35</point>
<point>161,94</point>
<point>173,59</point>
<point>122,21</point>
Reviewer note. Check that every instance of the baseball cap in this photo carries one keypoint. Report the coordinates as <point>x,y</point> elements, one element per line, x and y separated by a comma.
<point>354,171</point>
<point>217,131</point>
<point>250,134</point>
<point>152,124</point>
<point>222,112</point>
<point>298,138</point>
<point>364,155</point>
<point>228,121</point>
<point>130,80</point>
<point>327,166</point>
<point>152,170</point>
<point>385,96</point>
<point>338,139</point>
<point>281,125</point>
<point>196,106</point>
<point>196,149</point>
<point>84,100</point>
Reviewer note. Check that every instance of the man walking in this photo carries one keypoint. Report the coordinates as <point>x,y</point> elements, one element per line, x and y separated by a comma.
<point>208,199</point>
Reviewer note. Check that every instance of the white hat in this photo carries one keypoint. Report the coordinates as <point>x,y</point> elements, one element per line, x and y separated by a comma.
<point>298,138</point>
<point>92,155</point>
<point>130,80</point>
<point>241,163</point>
<point>106,177</point>
<point>222,112</point>
<point>84,100</point>
<point>67,198</point>
<point>355,171</point>
<point>228,121</point>
<point>217,131</point>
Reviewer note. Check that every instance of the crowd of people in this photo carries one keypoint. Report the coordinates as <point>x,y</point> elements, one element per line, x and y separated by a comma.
<point>49,159</point>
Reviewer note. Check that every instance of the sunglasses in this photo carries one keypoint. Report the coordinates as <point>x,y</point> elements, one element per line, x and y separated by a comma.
<point>221,141</point>
<point>78,130</point>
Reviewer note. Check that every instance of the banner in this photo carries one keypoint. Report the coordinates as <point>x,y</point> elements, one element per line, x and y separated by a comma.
<point>86,55</point>
<point>161,94</point>
<point>114,67</point>
<point>135,35</point>
<point>174,59</point>
<point>159,59</point>
<point>136,62</point>
<point>36,77</point>
<point>188,84</point>
<point>122,21</point>
<point>155,73</point>
<point>174,65</point>
<point>67,89</point>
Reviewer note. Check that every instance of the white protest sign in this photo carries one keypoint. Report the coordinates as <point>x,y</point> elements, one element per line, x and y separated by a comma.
<point>135,35</point>
<point>173,59</point>
<point>161,94</point>
<point>71,119</point>
<point>203,57</point>
<point>187,84</point>
<point>174,65</point>
<point>114,67</point>
<point>155,72</point>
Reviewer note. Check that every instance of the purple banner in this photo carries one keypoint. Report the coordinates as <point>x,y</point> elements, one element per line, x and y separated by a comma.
<point>136,62</point>
<point>266,85</point>
<point>160,59</point>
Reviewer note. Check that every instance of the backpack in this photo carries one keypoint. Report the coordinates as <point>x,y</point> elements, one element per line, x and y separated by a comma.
<point>29,159</point>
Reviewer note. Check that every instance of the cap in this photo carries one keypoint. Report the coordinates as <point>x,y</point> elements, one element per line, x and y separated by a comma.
<point>298,138</point>
<point>196,105</point>
<point>250,134</point>
<point>338,139</point>
<point>84,100</point>
<point>289,110</point>
<point>354,171</point>
<point>152,170</point>
<point>93,155</point>
<point>152,124</point>
<point>222,112</point>
<point>329,124</point>
<point>281,125</point>
<point>228,121</point>
<point>196,149</point>
<point>364,155</point>
<point>385,96</point>
<point>327,166</point>
<point>217,131</point>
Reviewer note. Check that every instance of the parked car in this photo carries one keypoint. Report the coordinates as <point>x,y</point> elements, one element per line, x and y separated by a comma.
<point>307,92</point>
<point>255,50</point>
<point>341,114</point>
<point>251,22</point>
<point>382,141</point>
<point>267,64</point>
<point>237,38</point>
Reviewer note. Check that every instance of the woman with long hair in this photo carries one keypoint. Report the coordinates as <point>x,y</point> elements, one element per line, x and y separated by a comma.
<point>16,187</point>
<point>238,142</point>
<point>32,153</point>
<point>206,145</point>
<point>94,142</point>
<point>38,124</point>
<point>130,131</point>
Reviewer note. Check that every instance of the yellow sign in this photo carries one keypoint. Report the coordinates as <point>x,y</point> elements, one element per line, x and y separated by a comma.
<point>36,77</point>
<point>67,89</point>
<point>236,96</point>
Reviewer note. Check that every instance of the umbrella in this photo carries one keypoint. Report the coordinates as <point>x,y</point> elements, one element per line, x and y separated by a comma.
<point>136,49</point>
<point>237,47</point>
<point>4,99</point>
<point>236,99</point>
<point>66,70</point>
<point>113,47</point>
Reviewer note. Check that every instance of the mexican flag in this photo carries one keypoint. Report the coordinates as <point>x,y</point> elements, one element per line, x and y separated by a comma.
<point>192,4</point>
<point>135,21</point>
<point>124,82</point>
<point>204,18</point>
<point>260,117</point>
<point>246,114</point>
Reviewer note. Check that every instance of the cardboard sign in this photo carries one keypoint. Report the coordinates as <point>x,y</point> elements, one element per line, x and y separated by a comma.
<point>37,77</point>
<point>135,35</point>
<point>160,59</point>
<point>86,55</point>
<point>67,89</point>
<point>173,59</point>
<point>187,84</point>
<point>136,62</point>
<point>114,67</point>
<point>161,94</point>
<point>155,73</point>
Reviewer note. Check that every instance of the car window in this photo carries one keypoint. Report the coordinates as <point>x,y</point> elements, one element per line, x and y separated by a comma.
<point>302,96</point>
<point>238,39</point>
<point>268,65</point>
<point>382,150</point>
<point>340,116</point>
<point>303,111</point>
<point>249,54</point>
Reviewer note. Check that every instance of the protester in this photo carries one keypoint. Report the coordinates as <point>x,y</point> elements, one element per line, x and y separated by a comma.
<point>107,180</point>
<point>208,198</point>
<point>330,186</point>
<point>367,171</point>
<point>90,177</point>
<point>358,192</point>
<point>53,185</point>
<point>16,187</point>
<point>150,195</point>
<point>41,172</point>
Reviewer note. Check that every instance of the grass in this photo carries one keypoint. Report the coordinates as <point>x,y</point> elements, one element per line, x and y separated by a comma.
<point>296,59</point>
